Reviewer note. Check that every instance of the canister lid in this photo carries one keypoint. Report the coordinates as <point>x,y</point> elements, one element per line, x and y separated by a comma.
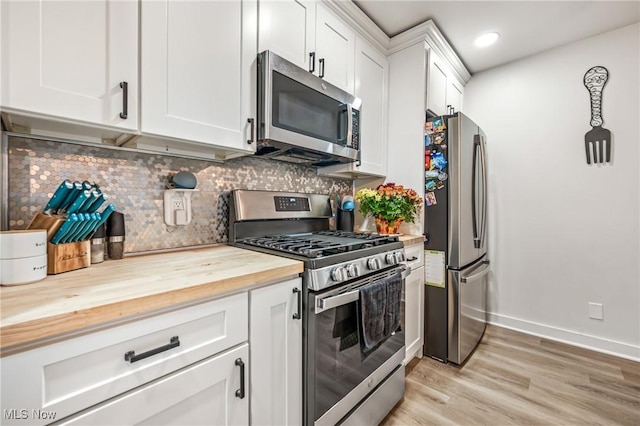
<point>23,243</point>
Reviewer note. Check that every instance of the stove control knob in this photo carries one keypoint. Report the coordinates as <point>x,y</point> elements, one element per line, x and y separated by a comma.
<point>399,257</point>
<point>353,270</point>
<point>339,274</point>
<point>390,259</point>
<point>373,264</point>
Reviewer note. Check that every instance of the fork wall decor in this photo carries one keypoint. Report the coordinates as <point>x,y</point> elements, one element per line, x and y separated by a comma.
<point>598,138</point>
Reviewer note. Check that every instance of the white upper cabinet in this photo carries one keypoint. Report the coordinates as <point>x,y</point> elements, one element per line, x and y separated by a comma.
<point>287,28</point>
<point>372,87</point>
<point>443,90</point>
<point>307,34</point>
<point>335,50</point>
<point>454,94</point>
<point>197,63</point>
<point>72,60</point>
<point>437,85</point>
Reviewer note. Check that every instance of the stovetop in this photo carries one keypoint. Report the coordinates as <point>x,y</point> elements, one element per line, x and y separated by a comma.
<point>321,243</point>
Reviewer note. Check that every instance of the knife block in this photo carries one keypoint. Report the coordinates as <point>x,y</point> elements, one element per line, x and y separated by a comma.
<point>68,257</point>
<point>61,257</point>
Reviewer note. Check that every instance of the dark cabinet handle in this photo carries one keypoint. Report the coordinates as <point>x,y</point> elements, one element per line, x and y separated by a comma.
<point>312,61</point>
<point>251,121</point>
<point>132,357</point>
<point>125,99</point>
<point>240,392</point>
<point>321,66</point>
<point>411,259</point>
<point>297,314</point>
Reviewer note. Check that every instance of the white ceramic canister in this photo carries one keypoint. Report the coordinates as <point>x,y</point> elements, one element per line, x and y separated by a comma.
<point>23,256</point>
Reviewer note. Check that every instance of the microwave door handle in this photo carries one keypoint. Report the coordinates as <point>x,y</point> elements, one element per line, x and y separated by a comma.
<point>349,126</point>
<point>335,301</point>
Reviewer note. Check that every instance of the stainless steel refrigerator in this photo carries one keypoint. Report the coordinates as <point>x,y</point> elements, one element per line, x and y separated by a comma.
<point>456,237</point>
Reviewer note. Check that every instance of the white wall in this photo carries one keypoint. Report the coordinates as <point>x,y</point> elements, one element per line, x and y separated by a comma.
<point>564,233</point>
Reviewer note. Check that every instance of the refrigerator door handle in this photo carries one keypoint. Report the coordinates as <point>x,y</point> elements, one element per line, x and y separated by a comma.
<point>484,272</point>
<point>483,159</point>
<point>477,142</point>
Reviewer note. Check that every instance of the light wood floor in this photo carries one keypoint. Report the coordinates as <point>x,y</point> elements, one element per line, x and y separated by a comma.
<point>518,379</point>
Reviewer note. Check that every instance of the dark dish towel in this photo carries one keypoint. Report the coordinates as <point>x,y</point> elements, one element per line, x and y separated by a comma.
<point>345,325</point>
<point>373,301</point>
<point>393,309</point>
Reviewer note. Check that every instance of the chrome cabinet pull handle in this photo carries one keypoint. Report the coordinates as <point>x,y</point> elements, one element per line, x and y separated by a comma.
<point>251,121</point>
<point>240,392</point>
<point>312,61</point>
<point>125,99</point>
<point>321,65</point>
<point>297,315</point>
<point>132,357</point>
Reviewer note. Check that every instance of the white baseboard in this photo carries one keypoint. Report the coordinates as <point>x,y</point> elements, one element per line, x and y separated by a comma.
<point>598,344</point>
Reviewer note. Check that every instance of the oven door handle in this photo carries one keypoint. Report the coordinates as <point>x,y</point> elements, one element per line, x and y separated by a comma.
<point>338,300</point>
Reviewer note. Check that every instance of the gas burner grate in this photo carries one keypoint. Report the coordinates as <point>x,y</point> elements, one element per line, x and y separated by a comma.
<point>323,243</point>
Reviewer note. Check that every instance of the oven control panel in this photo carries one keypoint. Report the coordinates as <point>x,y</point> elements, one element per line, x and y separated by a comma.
<point>292,204</point>
<point>319,279</point>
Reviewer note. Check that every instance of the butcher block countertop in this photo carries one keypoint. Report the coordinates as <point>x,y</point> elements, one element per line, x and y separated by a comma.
<point>116,289</point>
<point>410,240</point>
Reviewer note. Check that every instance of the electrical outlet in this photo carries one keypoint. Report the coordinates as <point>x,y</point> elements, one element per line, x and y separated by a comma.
<point>177,206</point>
<point>596,311</point>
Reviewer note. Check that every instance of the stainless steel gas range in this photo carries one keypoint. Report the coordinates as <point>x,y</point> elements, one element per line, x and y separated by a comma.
<point>353,340</point>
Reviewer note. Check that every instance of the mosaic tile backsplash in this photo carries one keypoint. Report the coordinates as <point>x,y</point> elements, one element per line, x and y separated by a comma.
<point>135,183</point>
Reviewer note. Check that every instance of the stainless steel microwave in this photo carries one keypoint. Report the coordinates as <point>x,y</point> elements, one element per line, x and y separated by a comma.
<point>302,118</point>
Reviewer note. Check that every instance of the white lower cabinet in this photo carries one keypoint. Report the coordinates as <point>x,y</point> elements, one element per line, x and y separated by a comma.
<point>212,392</point>
<point>71,375</point>
<point>276,354</point>
<point>414,297</point>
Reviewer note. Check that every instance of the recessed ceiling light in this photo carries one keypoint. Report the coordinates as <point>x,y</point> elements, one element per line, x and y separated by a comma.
<point>486,39</point>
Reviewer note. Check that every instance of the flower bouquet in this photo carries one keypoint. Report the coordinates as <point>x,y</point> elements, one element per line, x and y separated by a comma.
<point>390,205</point>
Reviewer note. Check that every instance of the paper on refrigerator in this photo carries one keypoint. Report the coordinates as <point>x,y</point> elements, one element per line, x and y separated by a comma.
<point>434,268</point>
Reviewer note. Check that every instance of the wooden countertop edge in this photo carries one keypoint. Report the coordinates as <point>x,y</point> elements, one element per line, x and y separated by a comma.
<point>49,327</point>
<point>409,240</point>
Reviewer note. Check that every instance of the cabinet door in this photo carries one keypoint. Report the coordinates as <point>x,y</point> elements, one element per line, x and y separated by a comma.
<point>414,294</point>
<point>202,394</point>
<point>371,86</point>
<point>196,64</point>
<point>66,59</point>
<point>287,28</point>
<point>275,336</point>
<point>335,50</point>
<point>454,94</point>
<point>437,85</point>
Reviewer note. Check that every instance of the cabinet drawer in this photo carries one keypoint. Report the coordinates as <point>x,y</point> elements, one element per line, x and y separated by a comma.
<point>414,255</point>
<point>71,375</point>
<point>202,394</point>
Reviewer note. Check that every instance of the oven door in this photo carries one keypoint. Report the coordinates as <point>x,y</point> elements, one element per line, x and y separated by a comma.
<point>338,374</point>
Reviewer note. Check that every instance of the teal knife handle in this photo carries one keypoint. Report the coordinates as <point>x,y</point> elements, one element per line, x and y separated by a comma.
<point>58,196</point>
<point>77,204</point>
<point>88,229</point>
<point>75,230</point>
<point>69,199</point>
<point>105,214</point>
<point>97,203</point>
<point>64,229</point>
<point>95,195</point>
